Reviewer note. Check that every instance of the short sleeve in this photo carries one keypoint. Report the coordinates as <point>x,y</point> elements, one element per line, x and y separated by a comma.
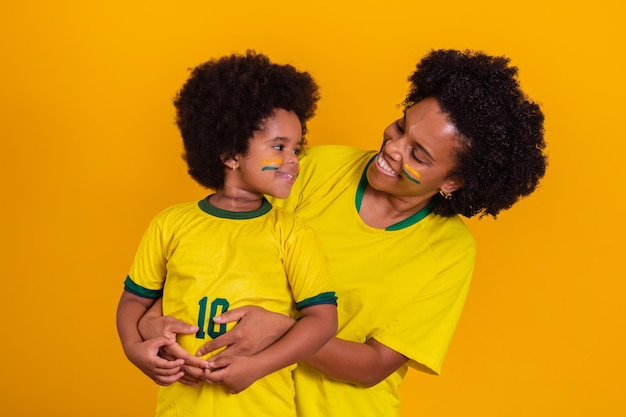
<point>148,270</point>
<point>423,328</point>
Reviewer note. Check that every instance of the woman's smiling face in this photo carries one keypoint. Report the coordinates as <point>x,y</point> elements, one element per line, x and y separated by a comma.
<point>417,154</point>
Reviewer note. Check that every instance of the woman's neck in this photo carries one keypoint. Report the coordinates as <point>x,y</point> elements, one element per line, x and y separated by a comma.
<point>381,210</point>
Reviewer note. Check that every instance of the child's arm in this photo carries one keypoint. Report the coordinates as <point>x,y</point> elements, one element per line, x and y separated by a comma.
<point>316,326</point>
<point>144,355</point>
<point>256,329</point>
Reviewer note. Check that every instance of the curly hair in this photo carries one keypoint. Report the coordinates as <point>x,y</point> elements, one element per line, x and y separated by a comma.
<point>226,100</point>
<point>501,154</point>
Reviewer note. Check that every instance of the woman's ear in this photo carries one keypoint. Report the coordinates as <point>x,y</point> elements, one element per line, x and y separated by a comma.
<point>451,185</point>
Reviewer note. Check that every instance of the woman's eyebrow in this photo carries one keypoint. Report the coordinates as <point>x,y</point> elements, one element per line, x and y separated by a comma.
<point>419,145</point>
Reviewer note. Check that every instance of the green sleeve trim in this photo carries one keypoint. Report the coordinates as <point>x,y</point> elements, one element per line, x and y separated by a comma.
<point>140,291</point>
<point>323,298</point>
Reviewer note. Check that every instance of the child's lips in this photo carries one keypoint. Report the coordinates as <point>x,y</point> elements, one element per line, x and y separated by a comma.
<point>288,176</point>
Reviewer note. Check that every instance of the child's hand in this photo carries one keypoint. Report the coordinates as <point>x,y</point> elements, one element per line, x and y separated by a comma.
<point>145,356</point>
<point>194,367</point>
<point>154,325</point>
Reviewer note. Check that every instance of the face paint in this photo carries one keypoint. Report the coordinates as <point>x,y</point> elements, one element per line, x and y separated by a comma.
<point>412,171</point>
<point>266,164</point>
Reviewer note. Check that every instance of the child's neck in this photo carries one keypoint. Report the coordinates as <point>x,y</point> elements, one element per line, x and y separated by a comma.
<point>239,201</point>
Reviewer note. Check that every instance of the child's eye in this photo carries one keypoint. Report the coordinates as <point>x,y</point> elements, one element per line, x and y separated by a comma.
<point>278,147</point>
<point>297,151</point>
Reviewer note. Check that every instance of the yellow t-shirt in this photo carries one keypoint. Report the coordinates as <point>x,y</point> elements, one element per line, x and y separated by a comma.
<point>205,260</point>
<point>404,286</point>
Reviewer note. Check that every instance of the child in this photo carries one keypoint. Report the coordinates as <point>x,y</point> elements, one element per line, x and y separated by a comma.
<point>242,120</point>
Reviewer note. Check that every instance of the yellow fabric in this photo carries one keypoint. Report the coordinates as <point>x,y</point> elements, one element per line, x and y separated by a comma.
<point>405,288</point>
<point>202,261</point>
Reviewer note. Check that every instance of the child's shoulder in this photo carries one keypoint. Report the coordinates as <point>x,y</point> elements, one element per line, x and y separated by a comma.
<point>288,219</point>
<point>177,210</point>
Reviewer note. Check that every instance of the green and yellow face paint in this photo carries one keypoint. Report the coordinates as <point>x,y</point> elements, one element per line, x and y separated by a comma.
<point>271,164</point>
<point>407,169</point>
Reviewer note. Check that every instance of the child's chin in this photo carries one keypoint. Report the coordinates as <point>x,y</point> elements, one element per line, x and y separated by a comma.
<point>284,194</point>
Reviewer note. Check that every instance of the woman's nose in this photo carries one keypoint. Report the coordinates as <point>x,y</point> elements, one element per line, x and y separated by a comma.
<point>393,146</point>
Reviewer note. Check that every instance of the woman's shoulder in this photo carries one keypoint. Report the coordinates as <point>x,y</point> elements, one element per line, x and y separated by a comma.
<point>335,157</point>
<point>336,152</point>
<point>446,233</point>
<point>287,223</point>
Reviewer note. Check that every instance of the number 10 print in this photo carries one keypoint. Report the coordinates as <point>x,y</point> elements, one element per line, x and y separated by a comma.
<point>218,306</point>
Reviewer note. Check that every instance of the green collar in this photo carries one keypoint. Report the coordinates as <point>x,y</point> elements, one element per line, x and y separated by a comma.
<point>208,208</point>
<point>409,221</point>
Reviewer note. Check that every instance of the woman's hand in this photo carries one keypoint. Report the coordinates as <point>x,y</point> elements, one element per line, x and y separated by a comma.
<point>236,373</point>
<point>256,329</point>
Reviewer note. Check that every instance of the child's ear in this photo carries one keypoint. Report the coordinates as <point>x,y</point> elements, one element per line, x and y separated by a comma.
<point>230,163</point>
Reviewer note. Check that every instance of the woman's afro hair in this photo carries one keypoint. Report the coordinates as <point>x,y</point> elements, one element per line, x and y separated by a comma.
<point>501,155</point>
<point>226,100</point>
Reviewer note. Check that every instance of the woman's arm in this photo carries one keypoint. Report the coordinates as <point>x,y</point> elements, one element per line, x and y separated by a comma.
<point>364,364</point>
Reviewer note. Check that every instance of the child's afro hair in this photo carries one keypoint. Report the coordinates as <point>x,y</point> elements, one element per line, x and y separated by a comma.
<point>226,100</point>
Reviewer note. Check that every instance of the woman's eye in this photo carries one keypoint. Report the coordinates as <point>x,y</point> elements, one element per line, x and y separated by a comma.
<point>415,157</point>
<point>399,126</point>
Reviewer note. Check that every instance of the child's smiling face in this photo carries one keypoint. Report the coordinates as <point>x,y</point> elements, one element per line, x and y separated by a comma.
<point>271,165</point>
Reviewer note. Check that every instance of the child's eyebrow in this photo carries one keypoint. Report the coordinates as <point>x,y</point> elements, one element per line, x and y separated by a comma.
<point>279,139</point>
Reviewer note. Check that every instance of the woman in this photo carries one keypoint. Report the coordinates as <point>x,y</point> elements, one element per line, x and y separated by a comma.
<point>469,143</point>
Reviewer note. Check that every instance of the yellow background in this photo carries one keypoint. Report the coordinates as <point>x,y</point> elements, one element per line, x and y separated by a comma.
<point>89,153</point>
